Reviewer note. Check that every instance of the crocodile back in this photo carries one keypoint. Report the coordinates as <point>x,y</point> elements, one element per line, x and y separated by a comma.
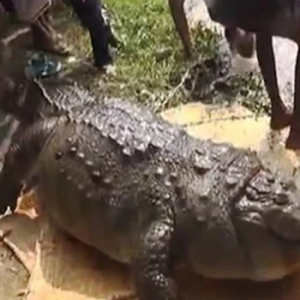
<point>107,165</point>
<point>53,97</point>
<point>101,169</point>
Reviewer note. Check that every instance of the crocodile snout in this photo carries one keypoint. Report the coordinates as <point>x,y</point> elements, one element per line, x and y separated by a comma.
<point>285,223</point>
<point>276,202</point>
<point>282,216</point>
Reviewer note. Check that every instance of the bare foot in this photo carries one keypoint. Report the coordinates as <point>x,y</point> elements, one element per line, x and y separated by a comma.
<point>293,140</point>
<point>281,121</point>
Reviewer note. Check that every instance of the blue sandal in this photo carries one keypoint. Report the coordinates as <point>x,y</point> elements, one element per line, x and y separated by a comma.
<point>41,65</point>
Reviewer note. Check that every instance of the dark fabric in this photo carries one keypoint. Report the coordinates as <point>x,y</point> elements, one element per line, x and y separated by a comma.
<point>8,6</point>
<point>87,9</point>
<point>90,15</point>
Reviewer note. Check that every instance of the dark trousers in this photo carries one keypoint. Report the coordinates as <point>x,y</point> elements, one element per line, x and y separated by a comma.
<point>90,15</point>
<point>8,6</point>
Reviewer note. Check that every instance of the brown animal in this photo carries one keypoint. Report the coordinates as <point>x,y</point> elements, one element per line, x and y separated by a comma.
<point>239,40</point>
<point>266,19</point>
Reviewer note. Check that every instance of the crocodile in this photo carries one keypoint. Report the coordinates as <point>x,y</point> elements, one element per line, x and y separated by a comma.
<point>141,190</point>
<point>267,19</point>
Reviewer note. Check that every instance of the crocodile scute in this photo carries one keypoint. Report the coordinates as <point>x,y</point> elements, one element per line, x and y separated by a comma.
<point>144,192</point>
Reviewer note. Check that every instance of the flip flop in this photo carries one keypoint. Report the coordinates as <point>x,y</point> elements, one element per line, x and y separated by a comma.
<point>41,65</point>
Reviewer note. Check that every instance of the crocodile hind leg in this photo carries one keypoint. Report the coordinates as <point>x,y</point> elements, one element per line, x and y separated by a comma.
<point>151,268</point>
<point>22,153</point>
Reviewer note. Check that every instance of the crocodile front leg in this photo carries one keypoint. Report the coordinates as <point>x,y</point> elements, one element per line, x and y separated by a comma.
<point>151,269</point>
<point>23,152</point>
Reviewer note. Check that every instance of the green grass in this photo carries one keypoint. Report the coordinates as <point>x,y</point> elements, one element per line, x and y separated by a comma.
<point>150,52</point>
<point>149,63</point>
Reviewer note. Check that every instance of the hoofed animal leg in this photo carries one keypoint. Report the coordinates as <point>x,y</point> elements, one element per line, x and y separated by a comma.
<point>280,117</point>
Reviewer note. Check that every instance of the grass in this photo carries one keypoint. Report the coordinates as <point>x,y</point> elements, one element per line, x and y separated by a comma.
<point>150,51</point>
<point>149,63</point>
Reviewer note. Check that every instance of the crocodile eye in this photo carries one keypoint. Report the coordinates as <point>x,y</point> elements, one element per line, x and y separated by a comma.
<point>281,197</point>
<point>288,185</point>
<point>58,155</point>
<point>270,178</point>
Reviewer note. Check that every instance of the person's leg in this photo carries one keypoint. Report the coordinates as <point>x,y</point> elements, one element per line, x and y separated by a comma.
<point>90,15</point>
<point>181,24</point>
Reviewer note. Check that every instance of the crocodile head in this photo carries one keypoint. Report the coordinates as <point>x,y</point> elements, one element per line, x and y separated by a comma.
<point>267,218</point>
<point>249,15</point>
